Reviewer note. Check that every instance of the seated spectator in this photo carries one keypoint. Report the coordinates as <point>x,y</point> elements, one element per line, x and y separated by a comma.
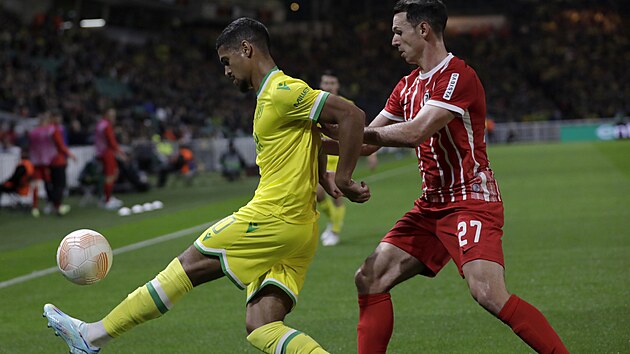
<point>183,162</point>
<point>20,180</point>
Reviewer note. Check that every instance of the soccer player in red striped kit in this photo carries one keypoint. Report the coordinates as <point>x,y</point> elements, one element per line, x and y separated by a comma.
<point>439,109</point>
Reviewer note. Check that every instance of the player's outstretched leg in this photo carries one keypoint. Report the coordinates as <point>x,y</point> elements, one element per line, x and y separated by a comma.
<point>487,286</point>
<point>147,302</point>
<point>71,330</point>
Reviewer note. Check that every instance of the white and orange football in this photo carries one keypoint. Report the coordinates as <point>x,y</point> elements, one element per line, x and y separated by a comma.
<point>84,257</point>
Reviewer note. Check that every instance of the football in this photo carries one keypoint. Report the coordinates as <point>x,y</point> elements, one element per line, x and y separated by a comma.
<point>84,257</point>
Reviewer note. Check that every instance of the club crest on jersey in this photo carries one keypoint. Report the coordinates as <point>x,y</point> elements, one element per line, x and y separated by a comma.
<point>451,86</point>
<point>283,86</point>
<point>426,97</point>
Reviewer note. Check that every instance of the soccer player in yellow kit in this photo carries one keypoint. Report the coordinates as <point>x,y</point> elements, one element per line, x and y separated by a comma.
<point>267,245</point>
<point>334,208</point>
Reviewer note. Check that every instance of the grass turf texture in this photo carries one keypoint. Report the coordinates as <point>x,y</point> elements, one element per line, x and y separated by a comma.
<point>565,243</point>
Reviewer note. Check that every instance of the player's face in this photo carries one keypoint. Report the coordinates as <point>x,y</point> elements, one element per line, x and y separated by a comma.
<point>406,39</point>
<point>330,83</point>
<point>235,68</point>
<point>111,115</point>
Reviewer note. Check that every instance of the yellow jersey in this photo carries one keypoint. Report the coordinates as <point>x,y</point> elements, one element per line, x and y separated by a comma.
<point>286,148</point>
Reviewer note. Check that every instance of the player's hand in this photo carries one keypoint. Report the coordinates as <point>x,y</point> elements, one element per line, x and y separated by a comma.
<point>327,181</point>
<point>358,193</point>
<point>123,156</point>
<point>330,130</point>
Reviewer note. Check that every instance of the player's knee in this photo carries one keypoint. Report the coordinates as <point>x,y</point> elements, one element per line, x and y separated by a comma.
<point>365,280</point>
<point>489,298</point>
<point>251,325</point>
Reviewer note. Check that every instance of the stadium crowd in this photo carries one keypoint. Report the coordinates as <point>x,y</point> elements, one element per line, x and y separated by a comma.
<point>537,67</point>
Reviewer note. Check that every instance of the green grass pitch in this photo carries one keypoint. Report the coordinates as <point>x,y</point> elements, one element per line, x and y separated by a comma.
<point>566,243</point>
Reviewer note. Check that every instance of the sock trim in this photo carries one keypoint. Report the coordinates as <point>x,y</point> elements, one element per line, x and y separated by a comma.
<point>281,348</point>
<point>161,293</point>
<point>156,298</point>
<point>509,308</point>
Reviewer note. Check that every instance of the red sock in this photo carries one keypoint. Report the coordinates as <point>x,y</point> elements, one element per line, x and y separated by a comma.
<point>108,188</point>
<point>376,323</point>
<point>35,197</point>
<point>531,325</point>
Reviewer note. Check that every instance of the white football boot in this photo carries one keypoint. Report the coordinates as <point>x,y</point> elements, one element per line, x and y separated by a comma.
<point>69,329</point>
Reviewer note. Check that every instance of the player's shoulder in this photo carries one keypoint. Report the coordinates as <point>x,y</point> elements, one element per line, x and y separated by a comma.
<point>287,89</point>
<point>458,66</point>
<point>284,82</point>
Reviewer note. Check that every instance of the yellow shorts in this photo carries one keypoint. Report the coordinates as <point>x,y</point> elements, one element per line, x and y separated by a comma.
<point>331,165</point>
<point>265,250</point>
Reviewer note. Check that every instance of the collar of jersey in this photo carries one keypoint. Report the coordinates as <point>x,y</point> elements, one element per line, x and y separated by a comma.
<point>266,79</point>
<point>424,76</point>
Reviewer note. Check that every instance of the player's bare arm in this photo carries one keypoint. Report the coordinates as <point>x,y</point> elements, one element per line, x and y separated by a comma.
<point>331,146</point>
<point>326,178</point>
<point>411,133</point>
<point>351,120</point>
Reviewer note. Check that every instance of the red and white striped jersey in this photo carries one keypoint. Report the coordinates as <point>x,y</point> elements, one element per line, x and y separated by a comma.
<point>453,162</point>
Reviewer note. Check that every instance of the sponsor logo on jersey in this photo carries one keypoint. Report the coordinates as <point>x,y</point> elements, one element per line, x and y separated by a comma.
<point>301,96</point>
<point>451,86</point>
<point>283,86</point>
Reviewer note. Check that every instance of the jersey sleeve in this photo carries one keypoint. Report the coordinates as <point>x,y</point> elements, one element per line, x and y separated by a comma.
<point>393,108</point>
<point>295,100</point>
<point>455,90</point>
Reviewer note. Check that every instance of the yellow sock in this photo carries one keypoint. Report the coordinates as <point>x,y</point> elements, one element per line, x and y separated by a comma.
<point>337,215</point>
<point>325,207</point>
<point>149,301</point>
<point>275,337</point>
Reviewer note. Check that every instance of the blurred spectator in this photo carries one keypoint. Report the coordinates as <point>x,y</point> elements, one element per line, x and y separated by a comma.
<point>57,188</point>
<point>20,180</point>
<point>77,135</point>
<point>107,149</point>
<point>42,150</point>
<point>8,136</point>
<point>534,68</point>
<point>183,163</point>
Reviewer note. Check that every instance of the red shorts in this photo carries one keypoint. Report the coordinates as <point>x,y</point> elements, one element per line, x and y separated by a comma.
<point>41,172</point>
<point>436,232</point>
<point>110,166</point>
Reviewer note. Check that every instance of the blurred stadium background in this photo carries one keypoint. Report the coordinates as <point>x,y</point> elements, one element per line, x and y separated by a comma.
<point>556,80</point>
<point>553,70</point>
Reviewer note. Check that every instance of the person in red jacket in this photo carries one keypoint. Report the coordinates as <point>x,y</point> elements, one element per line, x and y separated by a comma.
<point>58,165</point>
<point>107,149</point>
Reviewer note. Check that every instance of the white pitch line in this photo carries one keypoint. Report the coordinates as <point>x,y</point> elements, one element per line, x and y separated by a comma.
<point>173,235</point>
<point>121,250</point>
